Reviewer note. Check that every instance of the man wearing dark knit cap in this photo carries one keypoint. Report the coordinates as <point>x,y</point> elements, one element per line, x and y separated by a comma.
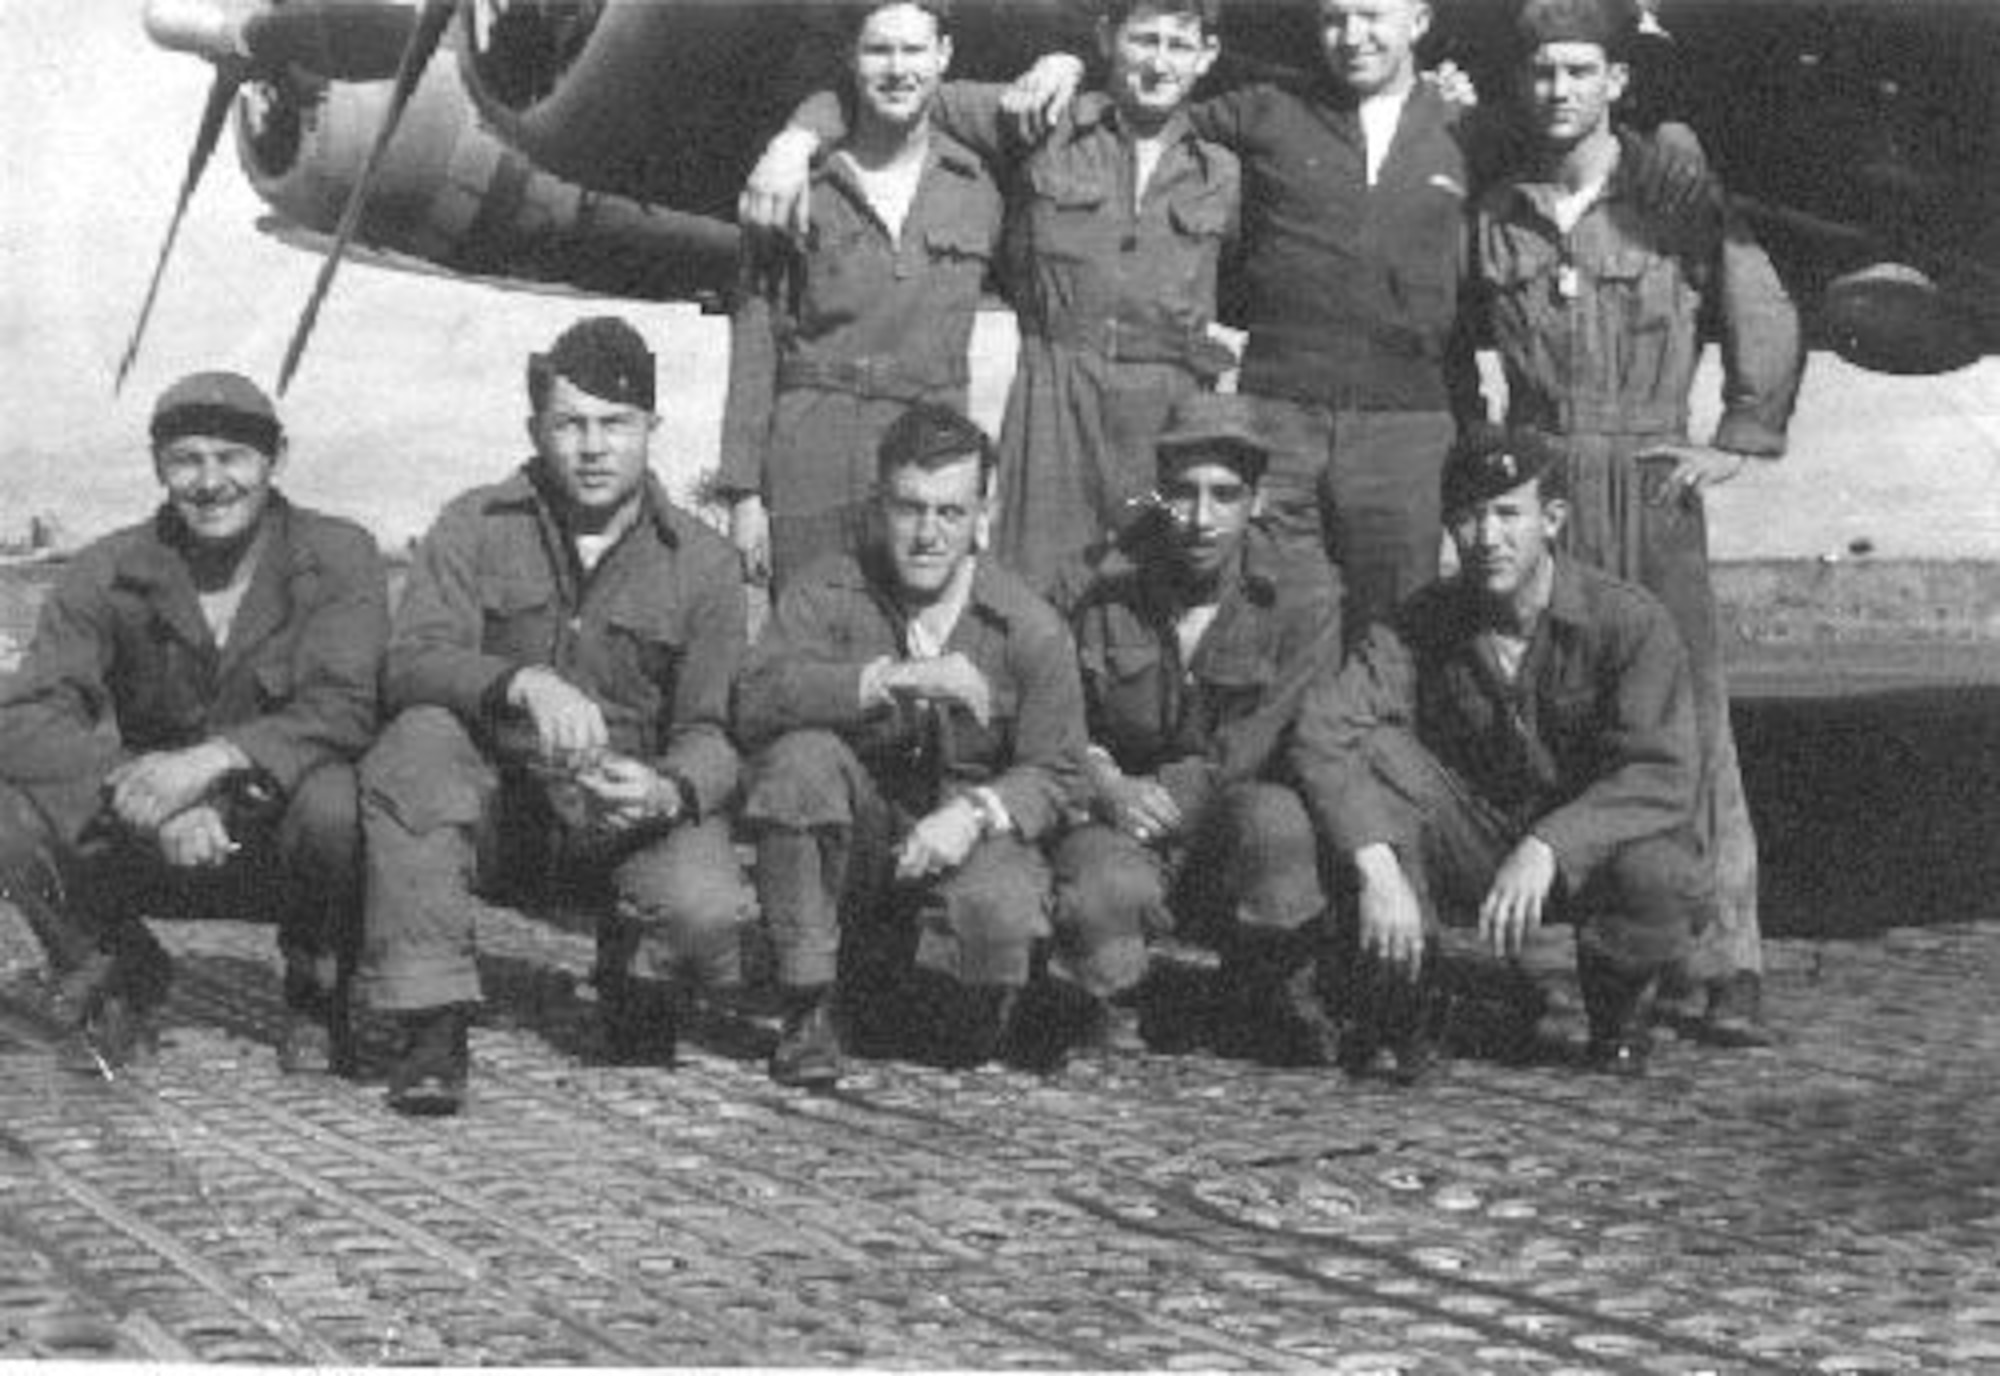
<point>181,737</point>
<point>559,672</point>
<point>1517,747</point>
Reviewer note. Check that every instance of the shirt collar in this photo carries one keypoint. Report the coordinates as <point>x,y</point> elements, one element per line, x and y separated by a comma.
<point>519,491</point>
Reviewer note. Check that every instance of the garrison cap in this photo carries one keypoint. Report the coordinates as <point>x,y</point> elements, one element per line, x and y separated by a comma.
<point>1212,427</point>
<point>1610,24</point>
<point>1489,460</point>
<point>604,356</point>
<point>226,406</point>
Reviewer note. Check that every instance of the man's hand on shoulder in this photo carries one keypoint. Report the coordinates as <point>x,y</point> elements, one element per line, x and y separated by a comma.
<point>568,724</point>
<point>774,201</point>
<point>1040,96</point>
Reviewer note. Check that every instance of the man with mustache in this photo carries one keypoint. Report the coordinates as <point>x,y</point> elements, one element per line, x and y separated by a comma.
<point>181,737</point>
<point>1196,645</point>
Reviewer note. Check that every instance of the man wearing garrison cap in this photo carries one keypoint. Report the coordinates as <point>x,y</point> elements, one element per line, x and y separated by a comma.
<point>1595,300</point>
<point>1518,746</point>
<point>559,676</point>
<point>181,737</point>
<point>1195,653</point>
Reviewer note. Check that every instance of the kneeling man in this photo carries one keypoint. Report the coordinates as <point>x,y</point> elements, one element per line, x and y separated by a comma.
<point>1518,746</point>
<point>181,737</point>
<point>919,719</point>
<point>560,670</point>
<point>1195,654</point>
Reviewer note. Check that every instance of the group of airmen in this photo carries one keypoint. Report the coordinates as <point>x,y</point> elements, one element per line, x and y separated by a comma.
<point>1309,671</point>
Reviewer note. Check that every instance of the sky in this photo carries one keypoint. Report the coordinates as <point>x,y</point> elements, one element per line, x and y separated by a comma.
<point>411,390</point>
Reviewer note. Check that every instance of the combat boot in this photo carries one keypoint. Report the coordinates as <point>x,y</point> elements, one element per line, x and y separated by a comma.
<point>639,1019</point>
<point>1734,1017</point>
<point>113,1000</point>
<point>1274,1008</point>
<point>317,1038</point>
<point>1619,1005</point>
<point>808,1052</point>
<point>434,1061</point>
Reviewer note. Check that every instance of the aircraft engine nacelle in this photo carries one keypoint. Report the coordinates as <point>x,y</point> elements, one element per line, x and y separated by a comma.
<point>455,197</point>
<point>1891,318</point>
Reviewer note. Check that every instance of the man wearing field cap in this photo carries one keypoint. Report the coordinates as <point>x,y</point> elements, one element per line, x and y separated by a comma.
<point>1517,747</point>
<point>559,673</point>
<point>180,738</point>
<point>1195,654</point>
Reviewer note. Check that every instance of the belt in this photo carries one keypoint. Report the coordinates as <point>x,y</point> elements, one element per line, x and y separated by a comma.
<point>1125,341</point>
<point>879,377</point>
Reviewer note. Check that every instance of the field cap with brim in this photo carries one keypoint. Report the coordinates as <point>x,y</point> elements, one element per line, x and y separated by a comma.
<point>220,405</point>
<point>1212,427</point>
<point>1489,461</point>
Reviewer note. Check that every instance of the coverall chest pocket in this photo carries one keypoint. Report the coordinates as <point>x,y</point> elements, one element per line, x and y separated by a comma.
<point>518,621</point>
<point>1638,290</point>
<point>1130,688</point>
<point>1065,213</point>
<point>959,241</point>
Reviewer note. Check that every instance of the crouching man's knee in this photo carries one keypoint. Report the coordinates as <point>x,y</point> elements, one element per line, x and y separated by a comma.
<point>1648,902</point>
<point>1271,858</point>
<point>1110,899</point>
<point>804,780</point>
<point>982,921</point>
<point>687,900</point>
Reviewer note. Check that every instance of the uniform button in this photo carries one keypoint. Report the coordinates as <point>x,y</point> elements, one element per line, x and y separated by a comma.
<point>1129,244</point>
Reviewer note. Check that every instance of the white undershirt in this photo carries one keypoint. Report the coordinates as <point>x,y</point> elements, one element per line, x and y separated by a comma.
<point>1191,627</point>
<point>1380,114</point>
<point>930,629</point>
<point>1568,207</point>
<point>890,191</point>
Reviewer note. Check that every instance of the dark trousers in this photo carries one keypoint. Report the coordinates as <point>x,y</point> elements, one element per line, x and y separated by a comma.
<point>1636,914</point>
<point>450,823</point>
<point>1365,485</point>
<point>1249,864</point>
<point>299,864</point>
<point>826,835</point>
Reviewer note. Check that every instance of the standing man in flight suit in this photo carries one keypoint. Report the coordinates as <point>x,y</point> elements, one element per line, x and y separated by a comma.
<point>559,673</point>
<point>834,338</point>
<point>1116,225</point>
<point>182,735</point>
<point>1595,302</point>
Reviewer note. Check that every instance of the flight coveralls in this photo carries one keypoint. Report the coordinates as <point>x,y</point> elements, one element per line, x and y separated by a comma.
<point>830,343</point>
<point>1213,730</point>
<point>1599,333</point>
<point>833,787</point>
<point>1423,743</point>
<point>1350,297</point>
<point>1114,292</point>
<point>124,663</point>
<point>453,808</point>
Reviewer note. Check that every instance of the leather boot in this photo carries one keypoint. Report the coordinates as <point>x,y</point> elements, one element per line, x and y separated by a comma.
<point>1619,1005</point>
<point>1273,1000</point>
<point>808,1052</point>
<point>113,999</point>
<point>434,1061</point>
<point>639,1019</point>
<point>1734,1017</point>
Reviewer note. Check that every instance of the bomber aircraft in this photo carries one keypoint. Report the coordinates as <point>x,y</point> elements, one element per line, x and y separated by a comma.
<point>599,144</point>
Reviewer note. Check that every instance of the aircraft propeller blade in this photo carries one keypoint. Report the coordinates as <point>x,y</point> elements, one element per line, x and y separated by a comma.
<point>417,54</point>
<point>214,116</point>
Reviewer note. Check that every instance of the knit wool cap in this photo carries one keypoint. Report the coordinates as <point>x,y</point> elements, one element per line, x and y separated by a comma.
<point>218,405</point>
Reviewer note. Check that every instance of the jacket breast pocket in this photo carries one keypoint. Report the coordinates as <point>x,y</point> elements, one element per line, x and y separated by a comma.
<point>647,647</point>
<point>518,620</point>
<point>960,241</point>
<point>274,680</point>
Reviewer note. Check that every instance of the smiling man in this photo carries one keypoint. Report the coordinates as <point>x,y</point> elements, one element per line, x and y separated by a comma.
<point>1195,649</point>
<point>917,717</point>
<point>560,671</point>
<point>1518,747</point>
<point>181,737</point>
<point>1117,224</point>
<point>832,339</point>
